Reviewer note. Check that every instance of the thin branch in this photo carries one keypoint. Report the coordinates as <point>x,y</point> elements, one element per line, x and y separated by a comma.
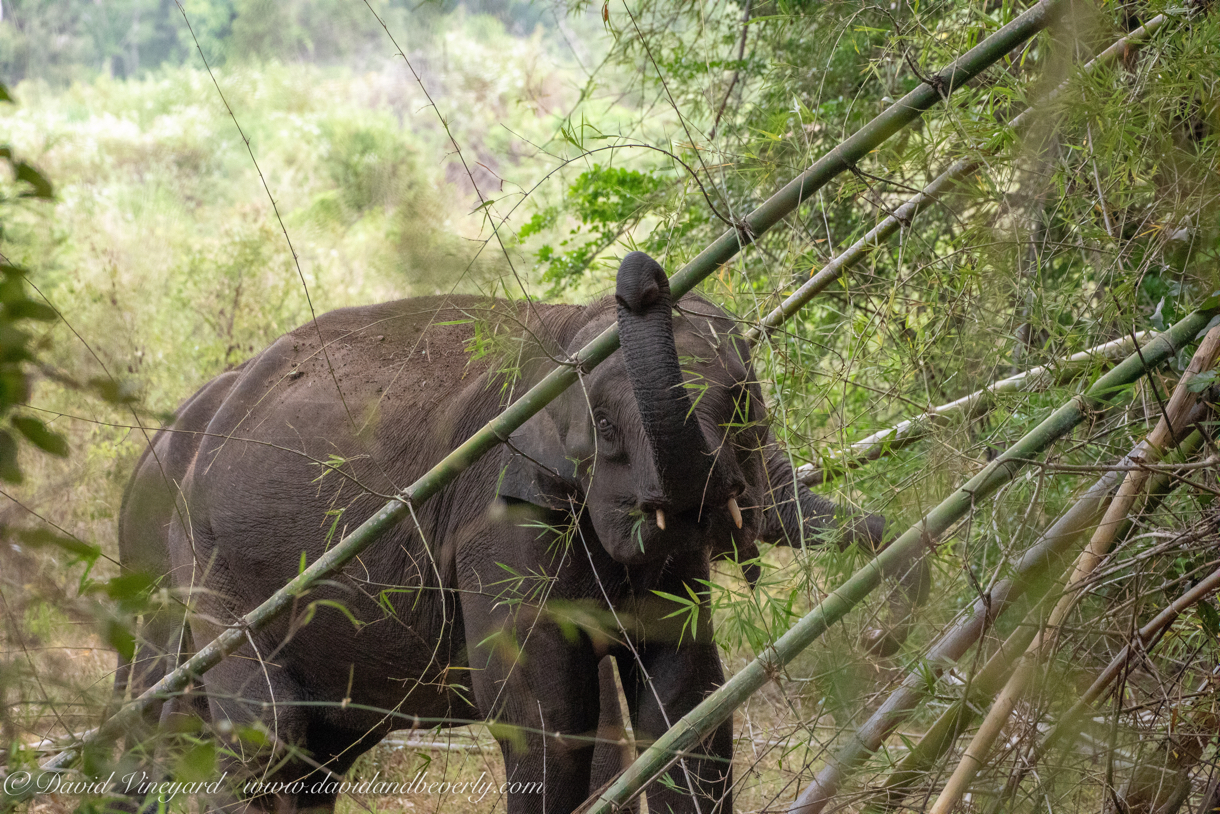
<point>886,441</point>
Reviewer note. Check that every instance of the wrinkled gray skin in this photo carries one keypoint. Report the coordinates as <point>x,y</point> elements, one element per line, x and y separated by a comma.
<point>500,604</point>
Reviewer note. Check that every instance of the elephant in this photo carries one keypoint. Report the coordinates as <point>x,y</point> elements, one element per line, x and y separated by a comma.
<point>501,597</point>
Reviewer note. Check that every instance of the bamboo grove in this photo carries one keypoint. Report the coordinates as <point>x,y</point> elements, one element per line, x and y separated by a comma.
<point>1070,654</point>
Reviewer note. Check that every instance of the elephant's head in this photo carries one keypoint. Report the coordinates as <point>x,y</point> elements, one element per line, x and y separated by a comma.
<point>662,445</point>
<point>665,446</point>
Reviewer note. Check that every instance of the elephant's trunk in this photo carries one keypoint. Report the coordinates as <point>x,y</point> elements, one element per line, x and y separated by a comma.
<point>645,321</point>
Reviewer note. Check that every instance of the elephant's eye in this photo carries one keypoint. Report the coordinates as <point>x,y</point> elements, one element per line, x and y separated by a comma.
<point>605,426</point>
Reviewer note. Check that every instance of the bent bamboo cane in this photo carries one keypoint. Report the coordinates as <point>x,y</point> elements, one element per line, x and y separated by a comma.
<point>953,644</point>
<point>1144,639</point>
<point>912,429</point>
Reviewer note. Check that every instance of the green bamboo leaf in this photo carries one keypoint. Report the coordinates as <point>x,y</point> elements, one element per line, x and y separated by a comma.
<point>118,635</point>
<point>198,763</point>
<point>253,735</point>
<point>1211,303</point>
<point>9,470</point>
<point>339,606</point>
<point>112,391</point>
<point>40,186</point>
<point>1209,617</point>
<point>1201,382</point>
<point>42,538</point>
<point>130,587</point>
<point>29,309</point>
<point>37,434</point>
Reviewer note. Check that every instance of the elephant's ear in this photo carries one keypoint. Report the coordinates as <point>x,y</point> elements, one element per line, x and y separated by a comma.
<point>536,470</point>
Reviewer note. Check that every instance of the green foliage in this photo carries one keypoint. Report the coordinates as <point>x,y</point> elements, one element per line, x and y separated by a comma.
<point>301,29</point>
<point>369,164</point>
<point>687,610</point>
<point>61,41</point>
<point>210,30</point>
<point>19,314</point>
<point>608,201</point>
<point>65,40</point>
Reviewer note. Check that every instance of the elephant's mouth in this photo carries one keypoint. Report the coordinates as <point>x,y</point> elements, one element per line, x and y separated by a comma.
<point>643,536</point>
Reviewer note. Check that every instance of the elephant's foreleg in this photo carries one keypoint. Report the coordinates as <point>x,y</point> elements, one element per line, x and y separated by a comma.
<point>674,668</point>
<point>542,703</point>
<point>538,689</point>
<point>660,692</point>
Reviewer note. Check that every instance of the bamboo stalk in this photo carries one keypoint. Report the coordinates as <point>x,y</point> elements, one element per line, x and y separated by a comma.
<point>863,141</point>
<point>960,169</point>
<point>686,734</point>
<point>954,644</point>
<point>937,739</point>
<point>980,746</point>
<point>912,429</point>
<point>883,442</point>
<point>1149,450</point>
<point>1169,428</point>
<point>768,214</point>
<point>952,722</point>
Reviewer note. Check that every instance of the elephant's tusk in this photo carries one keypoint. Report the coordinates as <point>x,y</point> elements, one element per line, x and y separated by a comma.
<point>735,511</point>
<point>660,520</point>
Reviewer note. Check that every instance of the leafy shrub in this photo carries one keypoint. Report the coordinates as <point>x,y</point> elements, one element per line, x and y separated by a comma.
<point>608,201</point>
<point>18,314</point>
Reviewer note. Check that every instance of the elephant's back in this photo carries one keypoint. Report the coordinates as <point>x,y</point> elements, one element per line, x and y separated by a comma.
<point>303,443</point>
<point>351,372</point>
<point>334,417</point>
